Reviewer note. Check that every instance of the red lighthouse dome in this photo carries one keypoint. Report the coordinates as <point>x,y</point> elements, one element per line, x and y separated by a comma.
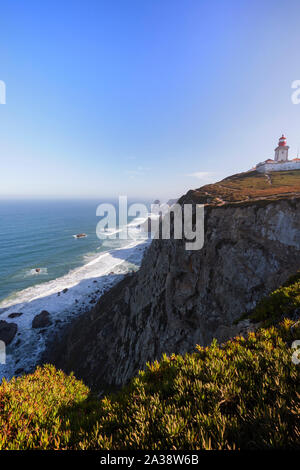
<point>282,141</point>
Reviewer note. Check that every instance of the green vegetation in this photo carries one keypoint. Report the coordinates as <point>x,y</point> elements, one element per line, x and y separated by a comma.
<point>249,186</point>
<point>244,394</point>
<point>283,302</point>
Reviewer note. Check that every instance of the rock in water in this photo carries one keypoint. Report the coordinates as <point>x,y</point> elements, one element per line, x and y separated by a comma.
<point>15,315</point>
<point>7,331</point>
<point>41,320</point>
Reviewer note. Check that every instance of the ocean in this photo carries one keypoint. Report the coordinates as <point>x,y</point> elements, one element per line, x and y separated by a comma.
<point>72,272</point>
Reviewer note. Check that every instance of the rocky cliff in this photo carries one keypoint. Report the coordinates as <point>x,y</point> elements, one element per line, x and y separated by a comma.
<point>180,298</point>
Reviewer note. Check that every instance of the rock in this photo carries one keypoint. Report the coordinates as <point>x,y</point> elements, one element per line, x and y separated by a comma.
<point>243,328</point>
<point>180,298</point>
<point>7,331</point>
<point>15,315</point>
<point>41,320</point>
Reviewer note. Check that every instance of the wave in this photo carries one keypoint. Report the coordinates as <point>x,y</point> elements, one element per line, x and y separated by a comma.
<point>34,272</point>
<point>64,298</point>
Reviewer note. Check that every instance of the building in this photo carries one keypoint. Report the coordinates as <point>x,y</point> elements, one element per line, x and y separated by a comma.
<point>282,151</point>
<point>281,160</point>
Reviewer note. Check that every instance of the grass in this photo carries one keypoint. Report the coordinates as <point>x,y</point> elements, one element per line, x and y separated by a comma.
<point>248,186</point>
<point>241,395</point>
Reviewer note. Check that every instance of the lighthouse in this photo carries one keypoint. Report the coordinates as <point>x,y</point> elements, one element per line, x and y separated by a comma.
<point>282,151</point>
<point>281,161</point>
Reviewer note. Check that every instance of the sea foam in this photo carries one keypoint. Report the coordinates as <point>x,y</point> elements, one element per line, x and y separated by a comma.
<point>64,298</point>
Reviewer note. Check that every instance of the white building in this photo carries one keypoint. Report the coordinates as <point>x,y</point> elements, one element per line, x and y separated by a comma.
<point>281,161</point>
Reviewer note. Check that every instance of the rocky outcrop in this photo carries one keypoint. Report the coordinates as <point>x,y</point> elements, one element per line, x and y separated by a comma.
<point>7,331</point>
<point>41,320</point>
<point>15,315</point>
<point>180,298</point>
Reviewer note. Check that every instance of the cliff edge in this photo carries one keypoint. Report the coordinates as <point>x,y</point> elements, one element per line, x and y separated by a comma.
<point>180,298</point>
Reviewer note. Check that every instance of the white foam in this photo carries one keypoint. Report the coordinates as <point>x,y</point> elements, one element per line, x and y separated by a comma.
<point>109,232</point>
<point>34,272</point>
<point>82,286</point>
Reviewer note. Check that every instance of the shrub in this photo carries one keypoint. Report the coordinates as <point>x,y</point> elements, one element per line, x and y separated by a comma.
<point>242,395</point>
<point>283,302</point>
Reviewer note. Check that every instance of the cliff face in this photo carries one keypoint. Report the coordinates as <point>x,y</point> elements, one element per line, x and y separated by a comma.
<point>180,298</point>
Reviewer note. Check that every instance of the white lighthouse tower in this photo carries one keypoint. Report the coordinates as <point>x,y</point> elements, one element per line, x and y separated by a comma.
<point>282,151</point>
<point>281,161</point>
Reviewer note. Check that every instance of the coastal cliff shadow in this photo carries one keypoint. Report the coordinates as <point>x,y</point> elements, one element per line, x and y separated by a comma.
<point>66,297</point>
<point>64,308</point>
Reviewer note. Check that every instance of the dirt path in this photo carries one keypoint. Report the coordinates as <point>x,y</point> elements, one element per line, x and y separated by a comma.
<point>268,177</point>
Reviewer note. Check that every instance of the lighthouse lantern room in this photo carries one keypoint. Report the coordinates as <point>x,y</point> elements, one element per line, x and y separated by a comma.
<point>282,151</point>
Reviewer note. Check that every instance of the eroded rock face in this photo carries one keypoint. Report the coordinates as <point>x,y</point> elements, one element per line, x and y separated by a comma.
<point>7,331</point>
<point>41,320</point>
<point>181,298</point>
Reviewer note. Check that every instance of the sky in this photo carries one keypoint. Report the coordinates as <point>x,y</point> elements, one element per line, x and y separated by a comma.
<point>144,98</point>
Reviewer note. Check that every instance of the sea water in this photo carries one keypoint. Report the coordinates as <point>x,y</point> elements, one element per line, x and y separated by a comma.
<point>73,272</point>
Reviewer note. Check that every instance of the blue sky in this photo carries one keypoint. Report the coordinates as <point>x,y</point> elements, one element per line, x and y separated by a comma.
<point>147,98</point>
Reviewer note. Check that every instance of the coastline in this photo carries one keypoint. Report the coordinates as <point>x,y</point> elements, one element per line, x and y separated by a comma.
<point>65,299</point>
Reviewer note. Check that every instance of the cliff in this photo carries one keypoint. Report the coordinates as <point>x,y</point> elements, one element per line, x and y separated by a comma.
<point>180,298</point>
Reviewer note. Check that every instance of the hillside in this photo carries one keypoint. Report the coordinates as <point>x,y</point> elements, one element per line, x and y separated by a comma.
<point>180,298</point>
<point>243,394</point>
<point>212,326</point>
<point>249,186</point>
